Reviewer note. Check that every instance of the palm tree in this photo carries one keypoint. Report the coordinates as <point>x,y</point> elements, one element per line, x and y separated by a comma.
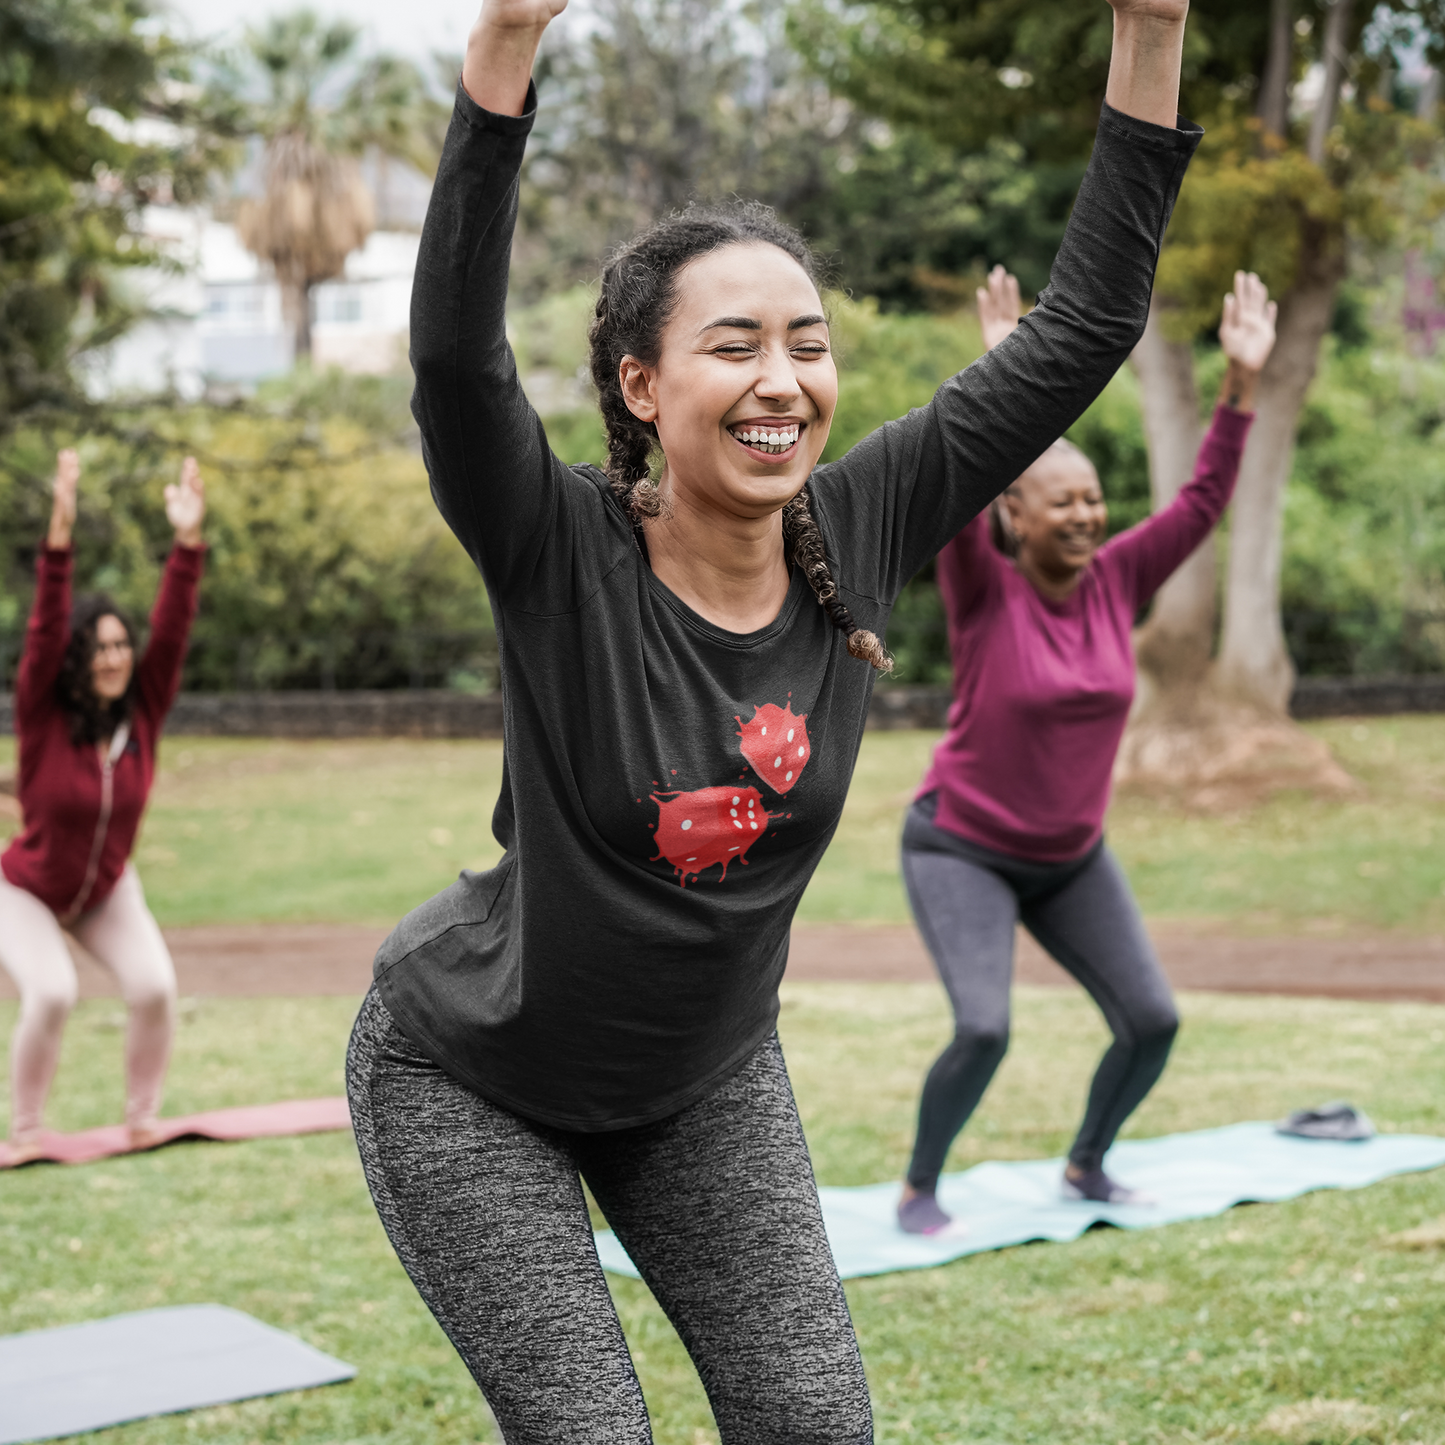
<point>322,108</point>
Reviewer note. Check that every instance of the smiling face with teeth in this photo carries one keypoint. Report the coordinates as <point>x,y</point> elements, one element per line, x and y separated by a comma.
<point>744,387</point>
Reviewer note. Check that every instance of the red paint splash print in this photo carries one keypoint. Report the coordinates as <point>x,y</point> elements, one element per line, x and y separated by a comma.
<point>712,825</point>
<point>776,743</point>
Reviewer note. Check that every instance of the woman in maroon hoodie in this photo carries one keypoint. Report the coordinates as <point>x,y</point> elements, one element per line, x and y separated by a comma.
<point>88,713</point>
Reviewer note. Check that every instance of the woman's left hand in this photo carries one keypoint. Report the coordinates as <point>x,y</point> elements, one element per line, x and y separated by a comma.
<point>186,504</point>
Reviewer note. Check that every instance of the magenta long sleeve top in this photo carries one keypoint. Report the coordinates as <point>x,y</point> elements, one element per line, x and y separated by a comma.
<point>1042,689</point>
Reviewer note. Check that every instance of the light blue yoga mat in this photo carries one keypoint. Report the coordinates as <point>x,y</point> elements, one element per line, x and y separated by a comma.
<point>1190,1175</point>
<point>75,1378</point>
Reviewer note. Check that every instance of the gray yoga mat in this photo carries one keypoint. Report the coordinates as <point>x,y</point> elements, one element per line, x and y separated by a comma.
<point>74,1378</point>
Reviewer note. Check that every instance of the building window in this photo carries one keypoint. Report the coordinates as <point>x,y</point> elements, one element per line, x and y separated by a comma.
<point>338,305</point>
<point>234,305</point>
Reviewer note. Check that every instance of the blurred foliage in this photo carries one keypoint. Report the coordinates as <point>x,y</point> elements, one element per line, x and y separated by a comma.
<point>1364,563</point>
<point>1031,74</point>
<point>1253,205</point>
<point>1034,71</point>
<point>915,225</point>
<point>660,102</point>
<point>320,522</point>
<point>97,119</point>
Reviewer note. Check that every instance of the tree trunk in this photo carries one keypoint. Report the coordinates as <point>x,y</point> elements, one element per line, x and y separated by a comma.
<point>296,312</point>
<point>1218,737</point>
<point>1274,84</point>
<point>1337,59</point>
<point>1254,668</point>
<point>1173,647</point>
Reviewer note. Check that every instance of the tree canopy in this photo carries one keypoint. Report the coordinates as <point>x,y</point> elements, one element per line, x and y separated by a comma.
<point>97,118</point>
<point>1268,192</point>
<point>300,85</point>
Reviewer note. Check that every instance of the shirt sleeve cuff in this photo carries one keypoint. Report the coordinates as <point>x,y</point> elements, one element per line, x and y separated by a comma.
<point>1183,138</point>
<point>58,559</point>
<point>486,120</point>
<point>188,559</point>
<point>1231,427</point>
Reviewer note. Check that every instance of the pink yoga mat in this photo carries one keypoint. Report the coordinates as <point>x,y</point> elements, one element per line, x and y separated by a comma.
<point>252,1121</point>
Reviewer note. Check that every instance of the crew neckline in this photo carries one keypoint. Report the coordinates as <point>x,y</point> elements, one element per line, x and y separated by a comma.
<point>797,585</point>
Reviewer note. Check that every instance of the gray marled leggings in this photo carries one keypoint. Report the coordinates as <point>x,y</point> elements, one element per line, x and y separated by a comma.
<point>716,1205</point>
<point>967,900</point>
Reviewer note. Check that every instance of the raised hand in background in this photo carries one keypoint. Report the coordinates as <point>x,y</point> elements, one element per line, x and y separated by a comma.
<point>999,307</point>
<point>1246,336</point>
<point>186,504</point>
<point>62,509</point>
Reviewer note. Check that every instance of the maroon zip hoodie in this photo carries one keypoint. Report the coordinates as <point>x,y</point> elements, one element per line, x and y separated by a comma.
<point>76,840</point>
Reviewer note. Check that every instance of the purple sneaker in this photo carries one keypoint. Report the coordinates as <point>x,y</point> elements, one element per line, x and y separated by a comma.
<point>1095,1185</point>
<point>921,1215</point>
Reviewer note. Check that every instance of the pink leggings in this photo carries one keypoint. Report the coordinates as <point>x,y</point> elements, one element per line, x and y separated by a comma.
<point>123,935</point>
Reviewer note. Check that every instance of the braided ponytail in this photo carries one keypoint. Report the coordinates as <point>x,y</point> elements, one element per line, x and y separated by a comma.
<point>804,541</point>
<point>636,300</point>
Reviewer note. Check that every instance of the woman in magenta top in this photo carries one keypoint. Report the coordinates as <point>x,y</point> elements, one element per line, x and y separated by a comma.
<point>1008,825</point>
<point>88,714</point>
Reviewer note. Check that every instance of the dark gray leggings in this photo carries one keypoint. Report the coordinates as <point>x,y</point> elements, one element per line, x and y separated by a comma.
<point>967,900</point>
<point>716,1205</point>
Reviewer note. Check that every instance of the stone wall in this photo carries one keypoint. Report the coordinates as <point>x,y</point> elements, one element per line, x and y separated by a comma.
<point>438,713</point>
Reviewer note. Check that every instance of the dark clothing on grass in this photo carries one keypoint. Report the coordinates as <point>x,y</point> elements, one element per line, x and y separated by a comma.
<point>967,900</point>
<point>716,1206</point>
<point>669,786</point>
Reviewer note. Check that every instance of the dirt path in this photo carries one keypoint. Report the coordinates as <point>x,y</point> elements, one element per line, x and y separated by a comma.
<point>317,958</point>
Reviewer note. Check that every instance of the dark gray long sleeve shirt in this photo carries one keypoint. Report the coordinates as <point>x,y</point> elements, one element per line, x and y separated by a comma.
<point>670,787</point>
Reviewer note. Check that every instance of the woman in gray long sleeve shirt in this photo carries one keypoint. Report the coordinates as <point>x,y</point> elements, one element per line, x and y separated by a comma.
<point>681,721</point>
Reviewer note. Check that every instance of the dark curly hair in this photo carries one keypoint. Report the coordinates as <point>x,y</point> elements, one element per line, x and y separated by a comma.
<point>91,720</point>
<point>639,291</point>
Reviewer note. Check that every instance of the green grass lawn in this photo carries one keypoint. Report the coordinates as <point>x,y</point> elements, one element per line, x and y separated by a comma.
<point>245,830</point>
<point>1225,1330</point>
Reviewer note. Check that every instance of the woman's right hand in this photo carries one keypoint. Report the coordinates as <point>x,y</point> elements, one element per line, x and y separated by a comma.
<point>62,509</point>
<point>500,51</point>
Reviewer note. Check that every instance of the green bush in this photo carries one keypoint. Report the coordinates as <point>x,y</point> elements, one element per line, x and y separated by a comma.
<point>322,532</point>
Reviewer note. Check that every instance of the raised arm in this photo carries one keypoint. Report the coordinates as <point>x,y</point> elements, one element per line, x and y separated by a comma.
<point>158,673</point>
<point>970,563</point>
<point>48,630</point>
<point>492,473</point>
<point>1146,555</point>
<point>943,463</point>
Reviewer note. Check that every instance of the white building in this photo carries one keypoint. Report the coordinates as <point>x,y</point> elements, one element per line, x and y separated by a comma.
<point>214,316</point>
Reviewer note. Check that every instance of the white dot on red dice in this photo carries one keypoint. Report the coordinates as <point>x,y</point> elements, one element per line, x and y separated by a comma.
<point>788,776</point>
<point>686,824</point>
<point>778,761</point>
<point>790,734</point>
<point>802,752</point>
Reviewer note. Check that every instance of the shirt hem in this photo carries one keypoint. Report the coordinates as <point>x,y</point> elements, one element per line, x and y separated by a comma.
<point>504,1099</point>
<point>960,829</point>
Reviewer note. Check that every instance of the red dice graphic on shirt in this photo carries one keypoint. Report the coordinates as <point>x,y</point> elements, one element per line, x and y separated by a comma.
<point>712,825</point>
<point>776,744</point>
